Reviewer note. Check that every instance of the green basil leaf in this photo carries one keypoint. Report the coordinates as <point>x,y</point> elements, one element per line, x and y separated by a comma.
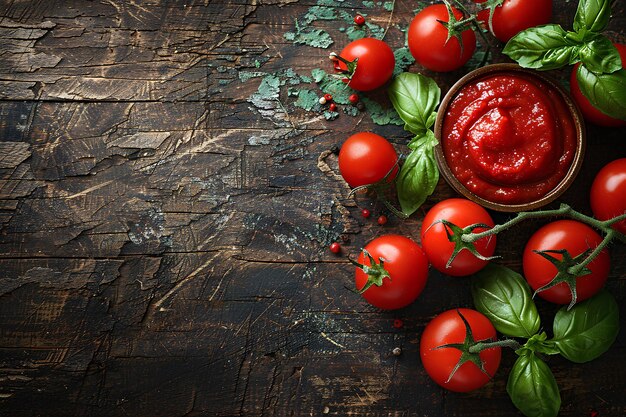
<point>532,387</point>
<point>504,297</point>
<point>419,174</point>
<point>415,97</point>
<point>542,47</point>
<point>606,92</point>
<point>588,329</point>
<point>600,56</point>
<point>592,15</point>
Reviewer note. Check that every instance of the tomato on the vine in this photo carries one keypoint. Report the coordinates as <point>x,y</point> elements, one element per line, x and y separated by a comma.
<point>448,328</point>
<point>608,193</point>
<point>590,113</point>
<point>439,248</point>
<point>367,158</point>
<point>401,277</point>
<point>513,16</point>
<point>578,240</point>
<point>367,62</point>
<point>429,42</point>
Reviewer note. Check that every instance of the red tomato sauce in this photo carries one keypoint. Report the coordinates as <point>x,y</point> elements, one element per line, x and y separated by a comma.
<point>509,138</point>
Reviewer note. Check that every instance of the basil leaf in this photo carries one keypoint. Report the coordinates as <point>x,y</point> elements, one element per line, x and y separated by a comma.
<point>539,343</point>
<point>587,330</point>
<point>532,387</point>
<point>415,97</point>
<point>606,92</point>
<point>592,15</point>
<point>600,56</point>
<point>419,174</point>
<point>504,297</point>
<point>542,47</point>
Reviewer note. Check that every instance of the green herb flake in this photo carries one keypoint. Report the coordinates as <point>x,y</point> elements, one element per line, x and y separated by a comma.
<point>316,38</point>
<point>404,59</point>
<point>381,115</point>
<point>320,13</point>
<point>247,75</point>
<point>307,100</point>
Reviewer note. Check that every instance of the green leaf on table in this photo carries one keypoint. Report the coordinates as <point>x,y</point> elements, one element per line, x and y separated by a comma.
<point>415,97</point>
<point>606,92</point>
<point>600,56</point>
<point>532,387</point>
<point>504,297</point>
<point>543,48</point>
<point>592,15</point>
<point>419,174</point>
<point>588,329</point>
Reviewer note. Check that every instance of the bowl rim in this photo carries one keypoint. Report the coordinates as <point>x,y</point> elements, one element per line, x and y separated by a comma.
<point>575,165</point>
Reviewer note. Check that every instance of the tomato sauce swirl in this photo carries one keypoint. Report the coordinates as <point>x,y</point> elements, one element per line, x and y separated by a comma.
<point>509,138</point>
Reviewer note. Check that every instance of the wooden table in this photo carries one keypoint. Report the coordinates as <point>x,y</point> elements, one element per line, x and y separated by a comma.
<point>166,211</point>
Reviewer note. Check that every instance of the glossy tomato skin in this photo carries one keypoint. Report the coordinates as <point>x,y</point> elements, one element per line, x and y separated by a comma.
<point>375,63</point>
<point>366,158</point>
<point>407,265</point>
<point>435,241</point>
<point>429,43</point>
<point>590,113</point>
<point>576,238</point>
<point>513,16</point>
<point>608,193</point>
<point>446,328</point>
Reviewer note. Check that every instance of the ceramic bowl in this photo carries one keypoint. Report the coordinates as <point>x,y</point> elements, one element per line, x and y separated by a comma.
<point>548,197</point>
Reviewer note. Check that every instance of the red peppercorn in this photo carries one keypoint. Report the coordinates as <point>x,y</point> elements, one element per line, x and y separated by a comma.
<point>332,107</point>
<point>328,97</point>
<point>382,220</point>
<point>359,20</point>
<point>354,98</point>
<point>335,247</point>
<point>365,213</point>
<point>397,323</point>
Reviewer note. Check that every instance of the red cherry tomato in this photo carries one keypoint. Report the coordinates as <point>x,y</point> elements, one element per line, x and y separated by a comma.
<point>374,66</point>
<point>407,266</point>
<point>366,158</point>
<point>447,328</point>
<point>438,247</point>
<point>429,43</point>
<point>608,193</point>
<point>576,238</point>
<point>513,16</point>
<point>590,113</point>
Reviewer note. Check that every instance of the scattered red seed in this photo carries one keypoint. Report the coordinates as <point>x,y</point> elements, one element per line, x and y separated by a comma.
<point>382,220</point>
<point>359,20</point>
<point>365,213</point>
<point>594,413</point>
<point>328,97</point>
<point>332,107</point>
<point>354,98</point>
<point>397,323</point>
<point>335,247</point>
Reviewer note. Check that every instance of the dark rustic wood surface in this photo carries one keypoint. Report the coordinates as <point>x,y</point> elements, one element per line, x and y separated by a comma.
<point>163,236</point>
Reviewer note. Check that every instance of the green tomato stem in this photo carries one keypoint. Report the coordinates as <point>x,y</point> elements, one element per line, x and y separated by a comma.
<point>563,210</point>
<point>480,346</point>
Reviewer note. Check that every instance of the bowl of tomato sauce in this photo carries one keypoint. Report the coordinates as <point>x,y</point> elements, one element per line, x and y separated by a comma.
<point>510,139</point>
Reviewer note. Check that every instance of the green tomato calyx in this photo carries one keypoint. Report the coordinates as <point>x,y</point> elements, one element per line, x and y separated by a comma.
<point>376,272</point>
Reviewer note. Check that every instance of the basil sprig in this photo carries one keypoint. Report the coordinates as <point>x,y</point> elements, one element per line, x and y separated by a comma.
<point>600,75</point>
<point>581,334</point>
<point>416,97</point>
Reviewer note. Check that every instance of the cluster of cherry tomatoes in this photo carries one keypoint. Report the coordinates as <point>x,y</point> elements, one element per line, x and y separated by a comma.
<point>366,158</point>
<point>442,38</point>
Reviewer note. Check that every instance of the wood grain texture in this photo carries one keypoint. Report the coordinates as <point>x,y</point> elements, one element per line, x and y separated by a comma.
<point>164,229</point>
